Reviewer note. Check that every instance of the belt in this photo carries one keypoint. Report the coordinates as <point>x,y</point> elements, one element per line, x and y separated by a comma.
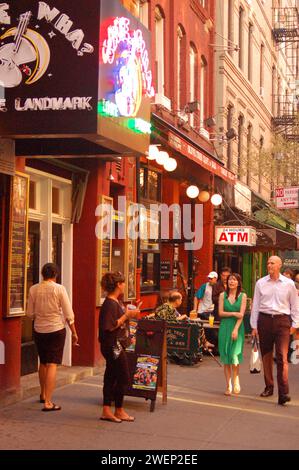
<point>273,315</point>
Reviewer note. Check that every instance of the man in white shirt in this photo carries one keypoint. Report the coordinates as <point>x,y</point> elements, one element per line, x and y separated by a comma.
<point>203,302</point>
<point>274,316</point>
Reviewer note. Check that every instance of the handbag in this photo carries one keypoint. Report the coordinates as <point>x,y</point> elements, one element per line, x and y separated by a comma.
<point>255,361</point>
<point>116,350</point>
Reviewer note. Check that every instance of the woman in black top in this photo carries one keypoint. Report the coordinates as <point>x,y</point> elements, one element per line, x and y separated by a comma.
<point>113,336</point>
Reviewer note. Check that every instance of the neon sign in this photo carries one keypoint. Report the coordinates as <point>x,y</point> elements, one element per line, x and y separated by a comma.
<point>109,109</point>
<point>126,49</point>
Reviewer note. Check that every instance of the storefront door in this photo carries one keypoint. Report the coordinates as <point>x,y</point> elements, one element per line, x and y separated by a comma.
<point>50,238</point>
<point>29,360</point>
<point>57,247</point>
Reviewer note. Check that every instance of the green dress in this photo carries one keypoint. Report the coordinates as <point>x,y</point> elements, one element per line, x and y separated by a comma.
<point>231,352</point>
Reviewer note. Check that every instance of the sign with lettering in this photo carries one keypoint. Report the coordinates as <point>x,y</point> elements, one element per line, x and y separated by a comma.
<point>235,236</point>
<point>49,67</point>
<point>126,79</point>
<point>165,270</point>
<point>290,259</point>
<point>203,160</point>
<point>287,198</point>
<point>178,337</point>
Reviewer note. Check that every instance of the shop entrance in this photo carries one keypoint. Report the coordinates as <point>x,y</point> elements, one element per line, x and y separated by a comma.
<point>57,247</point>
<point>29,360</point>
<point>49,240</point>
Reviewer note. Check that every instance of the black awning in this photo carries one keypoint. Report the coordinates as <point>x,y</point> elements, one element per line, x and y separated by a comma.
<point>268,236</point>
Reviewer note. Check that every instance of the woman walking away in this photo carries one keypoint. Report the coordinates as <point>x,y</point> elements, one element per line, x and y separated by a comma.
<point>232,305</point>
<point>114,337</point>
<point>50,309</point>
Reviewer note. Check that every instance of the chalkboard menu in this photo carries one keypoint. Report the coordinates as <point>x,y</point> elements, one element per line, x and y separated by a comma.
<point>104,234</point>
<point>17,260</point>
<point>165,270</point>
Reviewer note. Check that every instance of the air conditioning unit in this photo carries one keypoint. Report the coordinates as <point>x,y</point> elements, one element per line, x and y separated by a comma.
<point>262,92</point>
<point>163,101</point>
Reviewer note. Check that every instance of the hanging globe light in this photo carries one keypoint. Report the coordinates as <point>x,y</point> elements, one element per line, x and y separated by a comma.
<point>170,164</point>
<point>153,152</point>
<point>216,199</point>
<point>192,191</point>
<point>204,196</point>
<point>162,158</point>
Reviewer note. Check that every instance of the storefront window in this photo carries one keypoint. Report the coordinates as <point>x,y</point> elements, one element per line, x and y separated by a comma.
<point>142,182</point>
<point>150,277</point>
<point>150,192</point>
<point>32,195</point>
<point>150,185</point>
<point>55,200</point>
<point>153,186</point>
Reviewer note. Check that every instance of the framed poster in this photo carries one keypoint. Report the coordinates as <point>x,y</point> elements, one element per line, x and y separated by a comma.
<point>17,249</point>
<point>130,255</point>
<point>104,234</point>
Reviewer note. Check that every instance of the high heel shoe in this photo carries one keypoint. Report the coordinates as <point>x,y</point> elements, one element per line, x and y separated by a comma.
<point>228,390</point>
<point>237,388</point>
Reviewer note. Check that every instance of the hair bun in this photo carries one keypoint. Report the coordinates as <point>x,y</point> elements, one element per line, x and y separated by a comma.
<point>110,280</point>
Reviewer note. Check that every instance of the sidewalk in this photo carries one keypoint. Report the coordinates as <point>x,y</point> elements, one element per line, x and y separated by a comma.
<point>65,376</point>
<point>198,416</point>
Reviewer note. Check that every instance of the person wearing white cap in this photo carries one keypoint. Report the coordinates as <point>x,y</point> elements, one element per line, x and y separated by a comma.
<point>203,302</point>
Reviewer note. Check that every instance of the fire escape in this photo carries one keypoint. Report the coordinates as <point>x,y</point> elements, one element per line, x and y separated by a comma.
<point>286,101</point>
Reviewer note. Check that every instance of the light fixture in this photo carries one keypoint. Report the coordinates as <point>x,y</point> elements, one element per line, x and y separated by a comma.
<point>170,164</point>
<point>153,152</point>
<point>204,196</point>
<point>192,191</point>
<point>216,199</point>
<point>162,158</point>
<point>111,177</point>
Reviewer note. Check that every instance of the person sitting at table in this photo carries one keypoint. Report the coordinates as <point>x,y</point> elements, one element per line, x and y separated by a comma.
<point>168,311</point>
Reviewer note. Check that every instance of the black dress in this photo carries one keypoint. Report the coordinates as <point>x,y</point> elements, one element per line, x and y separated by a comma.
<point>117,375</point>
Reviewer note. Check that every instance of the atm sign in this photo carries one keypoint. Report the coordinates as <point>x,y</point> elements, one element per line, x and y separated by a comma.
<point>235,236</point>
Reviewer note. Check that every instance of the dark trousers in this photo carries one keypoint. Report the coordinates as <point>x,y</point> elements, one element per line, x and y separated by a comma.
<point>275,331</point>
<point>116,378</point>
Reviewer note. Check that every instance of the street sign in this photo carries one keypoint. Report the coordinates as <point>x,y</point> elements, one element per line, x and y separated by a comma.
<point>235,235</point>
<point>287,198</point>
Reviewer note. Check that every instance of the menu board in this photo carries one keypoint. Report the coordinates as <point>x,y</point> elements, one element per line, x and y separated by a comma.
<point>165,270</point>
<point>104,234</point>
<point>17,260</point>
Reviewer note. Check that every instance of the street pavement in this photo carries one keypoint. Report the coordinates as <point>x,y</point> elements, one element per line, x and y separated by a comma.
<point>197,416</point>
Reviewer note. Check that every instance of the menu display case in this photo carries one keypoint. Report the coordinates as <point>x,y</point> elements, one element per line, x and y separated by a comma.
<point>17,249</point>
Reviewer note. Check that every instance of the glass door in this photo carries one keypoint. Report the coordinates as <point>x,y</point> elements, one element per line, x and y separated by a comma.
<point>29,360</point>
<point>57,247</point>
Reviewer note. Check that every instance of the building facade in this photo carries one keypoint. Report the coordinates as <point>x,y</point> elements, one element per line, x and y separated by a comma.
<point>184,101</point>
<point>68,153</point>
<point>256,67</point>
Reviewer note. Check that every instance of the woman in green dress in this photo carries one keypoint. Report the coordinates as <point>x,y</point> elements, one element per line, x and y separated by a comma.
<point>232,305</point>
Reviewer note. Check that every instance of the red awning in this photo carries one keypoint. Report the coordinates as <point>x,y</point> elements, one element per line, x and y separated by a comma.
<point>200,158</point>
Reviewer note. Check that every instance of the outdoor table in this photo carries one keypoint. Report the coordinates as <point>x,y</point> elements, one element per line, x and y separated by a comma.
<point>210,331</point>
